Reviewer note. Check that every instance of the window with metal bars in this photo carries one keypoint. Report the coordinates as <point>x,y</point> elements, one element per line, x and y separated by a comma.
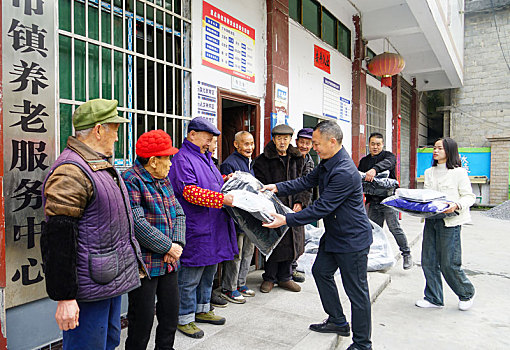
<point>376,113</point>
<point>317,19</point>
<point>138,54</point>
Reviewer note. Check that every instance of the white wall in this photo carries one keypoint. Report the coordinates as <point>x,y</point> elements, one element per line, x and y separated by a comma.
<point>373,82</point>
<point>253,14</point>
<point>306,80</point>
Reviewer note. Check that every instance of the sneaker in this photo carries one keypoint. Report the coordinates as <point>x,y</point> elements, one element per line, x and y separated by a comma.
<point>218,301</point>
<point>247,292</point>
<point>209,317</point>
<point>330,327</point>
<point>408,262</point>
<point>266,286</point>
<point>427,304</point>
<point>290,285</point>
<point>191,330</point>
<point>298,277</point>
<point>465,305</point>
<point>233,296</point>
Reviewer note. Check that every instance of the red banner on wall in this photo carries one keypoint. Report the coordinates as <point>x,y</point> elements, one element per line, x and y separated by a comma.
<point>321,58</point>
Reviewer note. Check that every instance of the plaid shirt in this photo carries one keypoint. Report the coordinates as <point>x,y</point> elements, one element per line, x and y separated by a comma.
<point>158,217</point>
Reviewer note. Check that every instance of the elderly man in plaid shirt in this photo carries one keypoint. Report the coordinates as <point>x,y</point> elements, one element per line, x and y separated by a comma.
<point>160,228</point>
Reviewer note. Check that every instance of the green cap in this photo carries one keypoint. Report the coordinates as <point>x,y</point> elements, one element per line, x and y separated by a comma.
<point>95,112</point>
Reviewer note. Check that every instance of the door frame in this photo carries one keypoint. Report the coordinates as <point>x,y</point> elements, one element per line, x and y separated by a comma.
<point>229,95</point>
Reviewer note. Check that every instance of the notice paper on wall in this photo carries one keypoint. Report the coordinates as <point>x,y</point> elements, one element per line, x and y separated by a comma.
<point>345,109</point>
<point>331,99</point>
<point>207,102</point>
<point>228,44</point>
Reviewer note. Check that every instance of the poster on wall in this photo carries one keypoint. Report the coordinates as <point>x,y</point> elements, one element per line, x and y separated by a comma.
<point>476,161</point>
<point>331,99</point>
<point>281,99</point>
<point>228,44</point>
<point>29,93</point>
<point>345,109</point>
<point>207,102</point>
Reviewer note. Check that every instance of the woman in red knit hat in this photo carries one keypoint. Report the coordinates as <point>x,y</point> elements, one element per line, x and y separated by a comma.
<point>160,228</point>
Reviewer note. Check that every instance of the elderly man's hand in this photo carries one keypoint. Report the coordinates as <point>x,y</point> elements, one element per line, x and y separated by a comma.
<point>279,220</point>
<point>297,207</point>
<point>67,314</point>
<point>369,175</point>
<point>271,187</point>
<point>228,200</point>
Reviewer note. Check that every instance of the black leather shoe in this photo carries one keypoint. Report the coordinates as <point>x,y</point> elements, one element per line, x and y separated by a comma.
<point>356,347</point>
<point>408,262</point>
<point>329,327</point>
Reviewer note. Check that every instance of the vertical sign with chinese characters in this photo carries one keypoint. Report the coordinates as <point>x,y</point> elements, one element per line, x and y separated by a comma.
<point>321,58</point>
<point>227,43</point>
<point>28,76</point>
<point>207,102</point>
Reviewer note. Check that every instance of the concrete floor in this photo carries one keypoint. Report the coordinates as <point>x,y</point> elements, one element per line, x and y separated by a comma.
<point>280,319</point>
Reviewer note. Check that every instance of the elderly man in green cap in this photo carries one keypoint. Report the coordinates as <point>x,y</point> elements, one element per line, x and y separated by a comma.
<point>89,250</point>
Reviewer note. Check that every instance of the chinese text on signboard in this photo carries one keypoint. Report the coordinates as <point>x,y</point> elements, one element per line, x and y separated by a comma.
<point>28,77</point>
<point>227,43</point>
<point>321,58</point>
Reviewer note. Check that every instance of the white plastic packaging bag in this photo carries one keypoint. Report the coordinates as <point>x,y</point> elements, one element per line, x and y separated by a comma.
<point>380,256</point>
<point>252,208</point>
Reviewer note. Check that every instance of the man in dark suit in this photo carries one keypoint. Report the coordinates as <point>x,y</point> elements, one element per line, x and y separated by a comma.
<point>348,235</point>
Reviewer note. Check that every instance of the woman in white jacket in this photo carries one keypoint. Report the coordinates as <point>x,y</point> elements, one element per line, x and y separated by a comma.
<point>441,248</point>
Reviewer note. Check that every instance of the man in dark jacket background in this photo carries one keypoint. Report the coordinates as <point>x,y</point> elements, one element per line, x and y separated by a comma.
<point>234,287</point>
<point>347,239</point>
<point>372,164</point>
<point>281,162</point>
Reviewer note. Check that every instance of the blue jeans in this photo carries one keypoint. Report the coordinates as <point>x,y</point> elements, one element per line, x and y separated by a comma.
<point>99,326</point>
<point>441,254</point>
<point>195,287</point>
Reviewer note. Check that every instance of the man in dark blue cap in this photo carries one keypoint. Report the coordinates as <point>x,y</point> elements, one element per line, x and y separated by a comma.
<point>210,232</point>
<point>304,145</point>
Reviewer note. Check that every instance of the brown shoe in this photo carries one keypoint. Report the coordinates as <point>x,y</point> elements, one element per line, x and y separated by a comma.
<point>266,286</point>
<point>290,285</point>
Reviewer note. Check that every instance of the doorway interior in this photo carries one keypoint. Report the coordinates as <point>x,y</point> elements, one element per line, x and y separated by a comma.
<point>236,113</point>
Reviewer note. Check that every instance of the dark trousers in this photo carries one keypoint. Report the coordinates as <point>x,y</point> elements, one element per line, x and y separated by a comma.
<point>141,312</point>
<point>353,270</point>
<point>280,271</point>
<point>380,213</point>
<point>99,326</point>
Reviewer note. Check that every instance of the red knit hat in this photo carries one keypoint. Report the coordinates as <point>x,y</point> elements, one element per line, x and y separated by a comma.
<point>155,143</point>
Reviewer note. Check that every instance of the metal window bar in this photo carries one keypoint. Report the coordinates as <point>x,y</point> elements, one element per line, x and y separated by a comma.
<point>129,55</point>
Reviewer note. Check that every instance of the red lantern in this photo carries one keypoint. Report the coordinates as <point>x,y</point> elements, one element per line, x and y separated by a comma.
<point>386,65</point>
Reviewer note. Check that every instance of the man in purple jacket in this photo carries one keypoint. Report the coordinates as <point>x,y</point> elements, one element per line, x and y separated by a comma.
<point>89,250</point>
<point>210,232</point>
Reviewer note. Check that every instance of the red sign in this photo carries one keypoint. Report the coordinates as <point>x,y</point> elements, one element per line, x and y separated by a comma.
<point>321,58</point>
